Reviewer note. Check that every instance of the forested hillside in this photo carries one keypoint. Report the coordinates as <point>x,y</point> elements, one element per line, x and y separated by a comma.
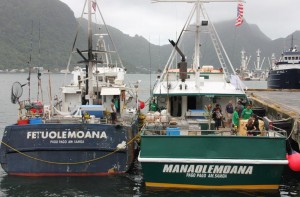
<point>45,30</point>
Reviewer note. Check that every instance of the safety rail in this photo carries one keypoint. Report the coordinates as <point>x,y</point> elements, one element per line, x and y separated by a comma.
<point>222,132</point>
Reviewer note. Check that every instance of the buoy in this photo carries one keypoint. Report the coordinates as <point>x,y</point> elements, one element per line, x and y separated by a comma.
<point>294,160</point>
<point>142,104</point>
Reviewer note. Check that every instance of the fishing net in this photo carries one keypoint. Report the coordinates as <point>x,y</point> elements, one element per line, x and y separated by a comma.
<point>16,92</point>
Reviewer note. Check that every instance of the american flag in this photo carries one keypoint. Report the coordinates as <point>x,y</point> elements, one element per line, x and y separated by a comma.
<point>240,14</point>
<point>94,4</point>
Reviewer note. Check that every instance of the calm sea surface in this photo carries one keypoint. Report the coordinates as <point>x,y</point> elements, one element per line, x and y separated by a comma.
<point>130,184</point>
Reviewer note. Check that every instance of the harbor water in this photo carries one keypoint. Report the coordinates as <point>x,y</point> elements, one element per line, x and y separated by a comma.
<point>130,184</point>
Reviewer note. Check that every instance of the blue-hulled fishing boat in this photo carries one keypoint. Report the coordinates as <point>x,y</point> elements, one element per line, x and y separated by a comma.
<point>76,134</point>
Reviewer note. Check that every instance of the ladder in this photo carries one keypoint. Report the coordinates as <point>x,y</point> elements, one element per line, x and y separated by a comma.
<point>218,47</point>
<point>219,53</point>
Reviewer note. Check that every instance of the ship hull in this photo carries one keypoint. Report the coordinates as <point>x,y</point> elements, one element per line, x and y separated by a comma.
<point>67,149</point>
<point>284,79</point>
<point>213,162</point>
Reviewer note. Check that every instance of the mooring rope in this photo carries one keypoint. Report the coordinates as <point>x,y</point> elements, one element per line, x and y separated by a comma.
<point>293,129</point>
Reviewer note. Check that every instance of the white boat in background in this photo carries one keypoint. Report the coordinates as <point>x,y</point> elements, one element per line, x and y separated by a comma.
<point>106,80</point>
<point>256,74</point>
<point>64,71</point>
<point>243,71</point>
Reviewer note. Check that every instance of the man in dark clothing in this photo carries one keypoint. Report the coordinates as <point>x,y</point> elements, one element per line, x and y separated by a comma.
<point>229,112</point>
<point>217,116</point>
<point>240,108</point>
<point>113,112</point>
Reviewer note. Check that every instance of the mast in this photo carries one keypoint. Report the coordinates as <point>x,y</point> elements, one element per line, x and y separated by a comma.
<point>29,62</point>
<point>292,43</point>
<point>198,10</point>
<point>273,61</point>
<point>196,63</point>
<point>243,60</point>
<point>257,59</point>
<point>89,89</point>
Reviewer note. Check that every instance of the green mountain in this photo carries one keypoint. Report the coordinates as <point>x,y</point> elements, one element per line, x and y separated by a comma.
<point>42,32</point>
<point>246,37</point>
<point>38,28</point>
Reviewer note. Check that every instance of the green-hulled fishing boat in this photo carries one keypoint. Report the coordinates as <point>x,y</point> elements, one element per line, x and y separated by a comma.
<point>180,146</point>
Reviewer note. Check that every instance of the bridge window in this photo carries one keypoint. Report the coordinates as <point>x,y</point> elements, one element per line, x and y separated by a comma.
<point>110,79</point>
<point>100,78</point>
<point>205,76</point>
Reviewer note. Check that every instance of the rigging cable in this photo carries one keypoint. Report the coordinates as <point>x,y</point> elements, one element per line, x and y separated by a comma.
<point>150,68</point>
<point>29,62</point>
<point>109,34</point>
<point>39,68</point>
<point>74,42</point>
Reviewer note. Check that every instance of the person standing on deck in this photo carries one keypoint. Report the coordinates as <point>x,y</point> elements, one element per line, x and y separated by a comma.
<point>256,123</point>
<point>153,105</point>
<point>247,113</point>
<point>235,119</point>
<point>217,116</point>
<point>250,128</point>
<point>116,102</point>
<point>229,111</point>
<point>240,107</point>
<point>113,112</point>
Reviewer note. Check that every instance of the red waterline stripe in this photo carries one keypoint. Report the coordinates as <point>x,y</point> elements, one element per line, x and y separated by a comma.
<point>65,174</point>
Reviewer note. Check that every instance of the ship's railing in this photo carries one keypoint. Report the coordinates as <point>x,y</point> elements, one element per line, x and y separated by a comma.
<point>277,130</point>
<point>91,119</point>
<point>186,132</point>
<point>222,132</point>
<point>174,74</point>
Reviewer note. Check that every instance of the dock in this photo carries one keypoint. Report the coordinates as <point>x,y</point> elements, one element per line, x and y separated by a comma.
<point>280,104</point>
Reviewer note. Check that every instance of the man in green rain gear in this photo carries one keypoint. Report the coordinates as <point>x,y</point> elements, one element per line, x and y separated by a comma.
<point>153,105</point>
<point>235,120</point>
<point>235,117</point>
<point>247,113</point>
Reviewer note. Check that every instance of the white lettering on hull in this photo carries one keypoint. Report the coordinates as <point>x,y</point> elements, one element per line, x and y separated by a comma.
<point>207,171</point>
<point>56,135</point>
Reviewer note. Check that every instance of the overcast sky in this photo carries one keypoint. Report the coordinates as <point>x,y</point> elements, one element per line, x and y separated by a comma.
<point>161,21</point>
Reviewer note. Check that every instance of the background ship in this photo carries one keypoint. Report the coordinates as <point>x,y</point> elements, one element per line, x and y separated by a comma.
<point>247,74</point>
<point>285,73</point>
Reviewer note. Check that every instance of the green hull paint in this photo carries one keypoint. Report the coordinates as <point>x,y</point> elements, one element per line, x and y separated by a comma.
<point>260,175</point>
<point>212,147</point>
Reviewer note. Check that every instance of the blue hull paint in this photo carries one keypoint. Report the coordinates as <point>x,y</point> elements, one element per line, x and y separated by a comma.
<point>66,149</point>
